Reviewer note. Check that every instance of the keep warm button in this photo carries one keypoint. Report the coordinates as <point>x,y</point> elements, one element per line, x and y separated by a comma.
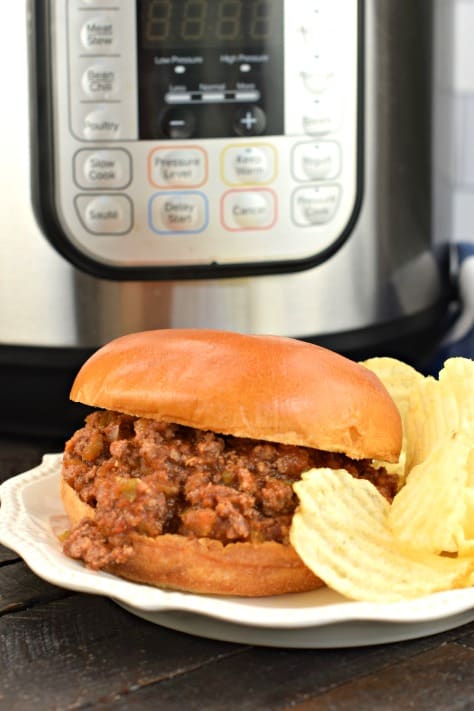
<point>105,214</point>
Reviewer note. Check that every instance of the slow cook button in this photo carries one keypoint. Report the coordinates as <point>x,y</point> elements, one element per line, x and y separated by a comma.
<point>183,212</point>
<point>105,214</point>
<point>315,205</point>
<point>95,169</point>
<point>249,209</point>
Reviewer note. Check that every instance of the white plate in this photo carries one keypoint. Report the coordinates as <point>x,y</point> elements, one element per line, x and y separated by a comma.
<point>31,517</point>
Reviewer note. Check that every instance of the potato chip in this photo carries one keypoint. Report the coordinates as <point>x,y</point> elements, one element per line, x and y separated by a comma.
<point>400,379</point>
<point>341,532</point>
<point>433,511</point>
<point>439,409</point>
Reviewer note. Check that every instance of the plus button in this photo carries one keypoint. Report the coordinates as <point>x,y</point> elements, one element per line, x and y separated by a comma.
<point>249,121</point>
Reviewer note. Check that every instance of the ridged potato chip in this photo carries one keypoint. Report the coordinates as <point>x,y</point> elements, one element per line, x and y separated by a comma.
<point>400,379</point>
<point>341,532</point>
<point>431,512</point>
<point>439,409</point>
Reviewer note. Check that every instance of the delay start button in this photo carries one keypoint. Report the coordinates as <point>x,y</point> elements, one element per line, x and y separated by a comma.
<point>105,214</point>
<point>178,212</point>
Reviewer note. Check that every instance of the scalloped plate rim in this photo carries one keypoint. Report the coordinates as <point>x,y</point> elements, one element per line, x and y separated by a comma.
<point>40,550</point>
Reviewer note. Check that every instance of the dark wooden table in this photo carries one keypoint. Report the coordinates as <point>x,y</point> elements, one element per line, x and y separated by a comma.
<point>64,650</point>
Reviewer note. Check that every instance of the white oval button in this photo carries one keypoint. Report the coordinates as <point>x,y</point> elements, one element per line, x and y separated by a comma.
<point>315,205</point>
<point>104,123</point>
<point>249,164</point>
<point>178,212</point>
<point>183,167</point>
<point>323,115</point>
<point>100,81</point>
<point>99,34</point>
<point>105,214</point>
<point>245,209</point>
<point>317,160</point>
<point>102,169</point>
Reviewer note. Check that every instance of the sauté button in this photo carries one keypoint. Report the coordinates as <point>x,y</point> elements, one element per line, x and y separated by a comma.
<point>105,214</point>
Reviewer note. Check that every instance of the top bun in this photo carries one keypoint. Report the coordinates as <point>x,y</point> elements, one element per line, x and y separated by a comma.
<point>263,387</point>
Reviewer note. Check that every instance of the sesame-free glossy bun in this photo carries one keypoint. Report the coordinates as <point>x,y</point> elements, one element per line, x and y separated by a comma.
<point>263,387</point>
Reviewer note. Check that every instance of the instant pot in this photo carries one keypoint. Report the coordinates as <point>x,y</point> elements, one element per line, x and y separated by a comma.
<point>256,165</point>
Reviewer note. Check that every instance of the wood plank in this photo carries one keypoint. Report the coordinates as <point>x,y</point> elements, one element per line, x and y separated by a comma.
<point>7,555</point>
<point>84,650</point>
<point>440,678</point>
<point>466,637</point>
<point>21,588</point>
<point>269,678</point>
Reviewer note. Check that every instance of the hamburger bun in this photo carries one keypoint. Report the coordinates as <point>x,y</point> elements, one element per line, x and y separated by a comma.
<point>259,387</point>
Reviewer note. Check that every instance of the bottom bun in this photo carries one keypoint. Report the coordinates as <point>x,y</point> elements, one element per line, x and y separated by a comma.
<point>204,565</point>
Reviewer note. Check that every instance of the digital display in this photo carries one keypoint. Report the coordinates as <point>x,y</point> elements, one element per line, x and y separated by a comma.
<point>244,23</point>
<point>210,68</point>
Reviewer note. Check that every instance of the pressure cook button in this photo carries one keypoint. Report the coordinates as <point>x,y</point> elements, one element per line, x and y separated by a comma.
<point>102,169</point>
<point>105,214</point>
<point>178,212</point>
<point>99,34</point>
<point>315,205</point>
<point>249,209</point>
<point>249,121</point>
<point>178,123</point>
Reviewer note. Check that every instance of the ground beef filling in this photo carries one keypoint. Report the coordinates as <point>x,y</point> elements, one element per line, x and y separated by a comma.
<point>154,478</point>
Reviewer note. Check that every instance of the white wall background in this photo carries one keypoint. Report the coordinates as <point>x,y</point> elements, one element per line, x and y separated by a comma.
<point>460,96</point>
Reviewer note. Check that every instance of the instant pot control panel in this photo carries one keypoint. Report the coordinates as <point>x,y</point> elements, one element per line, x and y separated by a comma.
<point>198,136</point>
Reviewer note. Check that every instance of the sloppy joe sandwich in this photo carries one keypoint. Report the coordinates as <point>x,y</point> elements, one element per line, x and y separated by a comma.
<point>183,476</point>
